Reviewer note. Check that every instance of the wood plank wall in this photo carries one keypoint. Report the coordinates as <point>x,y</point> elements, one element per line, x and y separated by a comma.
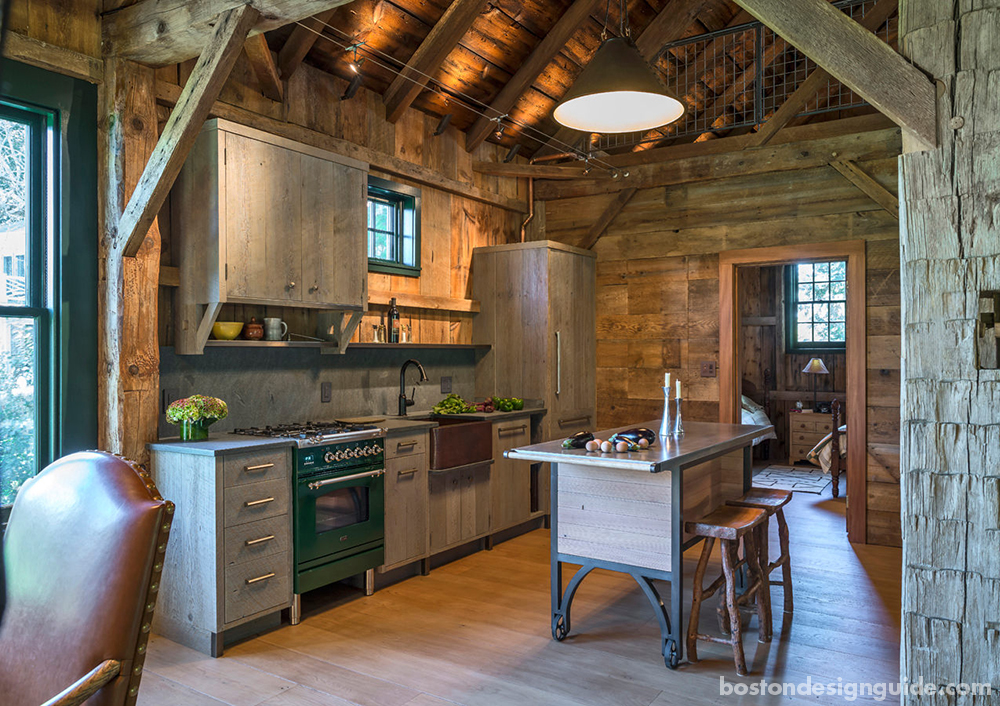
<point>658,293</point>
<point>451,226</point>
<point>72,25</point>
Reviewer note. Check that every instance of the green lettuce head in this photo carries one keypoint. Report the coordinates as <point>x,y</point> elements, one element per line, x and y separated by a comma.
<point>197,408</point>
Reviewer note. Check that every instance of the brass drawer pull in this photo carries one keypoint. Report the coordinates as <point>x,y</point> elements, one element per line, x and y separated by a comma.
<point>255,503</point>
<point>503,430</point>
<point>406,444</point>
<point>574,419</point>
<point>261,540</point>
<point>265,577</point>
<point>410,472</point>
<point>261,467</point>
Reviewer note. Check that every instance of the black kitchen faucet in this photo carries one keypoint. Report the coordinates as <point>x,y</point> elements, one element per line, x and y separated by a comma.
<point>405,402</point>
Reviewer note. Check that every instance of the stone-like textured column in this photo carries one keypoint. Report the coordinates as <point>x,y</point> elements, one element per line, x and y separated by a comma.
<point>950,463</point>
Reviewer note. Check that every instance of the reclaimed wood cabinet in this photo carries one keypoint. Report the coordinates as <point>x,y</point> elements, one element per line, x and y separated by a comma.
<point>230,557</point>
<point>510,486</point>
<point>538,311</point>
<point>406,499</point>
<point>260,219</point>
<point>459,502</point>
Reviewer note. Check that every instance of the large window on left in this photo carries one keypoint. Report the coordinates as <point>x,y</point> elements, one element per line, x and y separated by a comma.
<point>26,296</point>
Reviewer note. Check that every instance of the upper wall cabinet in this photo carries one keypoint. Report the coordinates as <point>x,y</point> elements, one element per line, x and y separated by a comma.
<point>265,220</point>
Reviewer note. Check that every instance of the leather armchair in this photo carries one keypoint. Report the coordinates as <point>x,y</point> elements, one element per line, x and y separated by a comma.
<point>84,550</point>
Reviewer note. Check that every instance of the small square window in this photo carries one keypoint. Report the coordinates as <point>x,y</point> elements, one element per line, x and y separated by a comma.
<point>393,228</point>
<point>816,308</point>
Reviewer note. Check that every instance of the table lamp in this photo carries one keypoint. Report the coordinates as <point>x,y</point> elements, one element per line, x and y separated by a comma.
<point>815,367</point>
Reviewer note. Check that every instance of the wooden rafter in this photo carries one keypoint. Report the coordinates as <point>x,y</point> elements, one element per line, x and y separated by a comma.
<point>536,171</point>
<point>264,67</point>
<point>856,58</point>
<point>299,42</point>
<point>531,69</point>
<point>196,99</point>
<point>161,32</point>
<point>668,26</point>
<point>443,37</point>
<point>615,206</point>
<point>817,80</point>
<point>861,179</point>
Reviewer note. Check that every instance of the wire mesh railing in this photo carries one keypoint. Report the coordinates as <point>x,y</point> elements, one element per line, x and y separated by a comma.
<point>738,77</point>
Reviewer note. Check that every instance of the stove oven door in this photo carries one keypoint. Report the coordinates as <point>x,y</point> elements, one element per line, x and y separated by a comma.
<point>338,512</point>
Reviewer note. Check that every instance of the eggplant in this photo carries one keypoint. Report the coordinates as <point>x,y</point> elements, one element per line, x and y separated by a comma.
<point>578,440</point>
<point>633,435</point>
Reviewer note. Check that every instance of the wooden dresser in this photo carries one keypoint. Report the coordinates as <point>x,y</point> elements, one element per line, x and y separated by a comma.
<point>805,430</point>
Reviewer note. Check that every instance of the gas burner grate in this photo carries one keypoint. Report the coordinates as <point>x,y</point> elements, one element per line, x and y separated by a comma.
<point>303,430</point>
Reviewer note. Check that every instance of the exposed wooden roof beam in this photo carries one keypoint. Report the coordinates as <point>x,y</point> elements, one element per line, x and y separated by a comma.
<point>531,69</point>
<point>299,42</point>
<point>264,67</point>
<point>202,88</point>
<point>668,26</point>
<point>856,58</point>
<point>861,179</point>
<point>817,80</point>
<point>537,171</point>
<point>161,32</point>
<point>615,206</point>
<point>443,37</point>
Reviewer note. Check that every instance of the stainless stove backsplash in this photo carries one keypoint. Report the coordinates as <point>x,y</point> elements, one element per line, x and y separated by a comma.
<point>275,386</point>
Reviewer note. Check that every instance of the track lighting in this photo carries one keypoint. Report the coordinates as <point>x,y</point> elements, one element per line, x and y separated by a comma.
<point>352,88</point>
<point>498,133</point>
<point>442,125</point>
<point>355,63</point>
<point>512,153</point>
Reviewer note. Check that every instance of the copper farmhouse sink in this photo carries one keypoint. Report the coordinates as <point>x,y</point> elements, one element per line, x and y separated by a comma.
<point>459,442</point>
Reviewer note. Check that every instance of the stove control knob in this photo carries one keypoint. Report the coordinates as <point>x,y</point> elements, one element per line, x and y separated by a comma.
<point>328,456</point>
<point>339,456</point>
<point>370,450</point>
<point>376,449</point>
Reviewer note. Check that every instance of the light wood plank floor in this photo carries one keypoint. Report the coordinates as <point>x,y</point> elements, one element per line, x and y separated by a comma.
<point>476,632</point>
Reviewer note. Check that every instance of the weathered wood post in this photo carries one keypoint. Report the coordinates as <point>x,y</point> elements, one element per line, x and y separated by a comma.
<point>950,462</point>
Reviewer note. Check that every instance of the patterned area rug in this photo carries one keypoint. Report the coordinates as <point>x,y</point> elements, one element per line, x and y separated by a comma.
<point>801,479</point>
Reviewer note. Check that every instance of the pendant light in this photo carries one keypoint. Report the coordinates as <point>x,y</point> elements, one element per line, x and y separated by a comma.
<point>618,91</point>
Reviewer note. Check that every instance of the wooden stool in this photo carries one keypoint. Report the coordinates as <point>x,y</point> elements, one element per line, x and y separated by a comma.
<point>730,525</point>
<point>771,501</point>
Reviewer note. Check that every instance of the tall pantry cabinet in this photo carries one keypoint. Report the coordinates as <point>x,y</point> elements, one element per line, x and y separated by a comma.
<point>538,314</point>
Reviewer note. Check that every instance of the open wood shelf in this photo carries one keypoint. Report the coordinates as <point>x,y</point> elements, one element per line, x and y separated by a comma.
<point>326,344</point>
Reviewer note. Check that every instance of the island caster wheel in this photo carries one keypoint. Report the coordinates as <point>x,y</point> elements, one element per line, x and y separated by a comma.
<point>670,657</point>
<point>559,628</point>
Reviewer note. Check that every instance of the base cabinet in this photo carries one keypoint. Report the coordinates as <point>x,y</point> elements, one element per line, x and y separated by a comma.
<point>406,505</point>
<point>459,506</point>
<point>510,495</point>
<point>230,556</point>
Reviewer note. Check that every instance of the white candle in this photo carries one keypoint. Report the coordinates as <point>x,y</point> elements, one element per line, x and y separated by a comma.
<point>666,380</point>
<point>678,389</point>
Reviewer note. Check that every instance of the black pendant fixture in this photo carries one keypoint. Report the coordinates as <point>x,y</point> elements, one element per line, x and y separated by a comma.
<point>618,91</point>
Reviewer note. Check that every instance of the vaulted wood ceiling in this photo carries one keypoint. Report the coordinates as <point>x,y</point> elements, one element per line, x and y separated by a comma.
<point>501,39</point>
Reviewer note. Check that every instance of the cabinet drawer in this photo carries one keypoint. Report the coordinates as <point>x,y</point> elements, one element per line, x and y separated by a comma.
<point>257,586</point>
<point>255,540</point>
<point>405,445</point>
<point>256,501</point>
<point>255,468</point>
<point>509,435</point>
<point>406,509</point>
<point>801,425</point>
<point>809,439</point>
<point>799,451</point>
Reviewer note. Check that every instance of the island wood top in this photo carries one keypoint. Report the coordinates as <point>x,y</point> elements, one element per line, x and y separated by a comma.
<point>702,441</point>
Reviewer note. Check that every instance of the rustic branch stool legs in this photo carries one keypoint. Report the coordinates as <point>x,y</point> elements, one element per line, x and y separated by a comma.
<point>730,525</point>
<point>783,560</point>
<point>772,502</point>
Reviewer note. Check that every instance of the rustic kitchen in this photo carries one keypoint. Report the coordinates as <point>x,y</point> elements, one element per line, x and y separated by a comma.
<point>385,352</point>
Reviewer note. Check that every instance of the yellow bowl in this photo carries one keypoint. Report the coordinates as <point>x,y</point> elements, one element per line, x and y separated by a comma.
<point>227,330</point>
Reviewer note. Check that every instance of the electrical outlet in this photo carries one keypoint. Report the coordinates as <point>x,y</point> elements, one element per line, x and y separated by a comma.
<point>445,384</point>
<point>325,391</point>
<point>708,368</point>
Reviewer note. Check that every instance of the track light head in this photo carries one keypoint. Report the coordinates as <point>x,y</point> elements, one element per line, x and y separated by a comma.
<point>512,153</point>
<point>352,88</point>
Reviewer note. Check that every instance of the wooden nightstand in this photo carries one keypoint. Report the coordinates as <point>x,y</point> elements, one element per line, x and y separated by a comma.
<point>805,430</point>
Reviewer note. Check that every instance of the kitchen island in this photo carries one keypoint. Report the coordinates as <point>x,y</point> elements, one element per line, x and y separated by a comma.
<point>626,511</point>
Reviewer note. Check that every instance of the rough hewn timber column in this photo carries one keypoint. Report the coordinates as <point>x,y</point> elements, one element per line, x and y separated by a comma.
<point>950,238</point>
<point>128,349</point>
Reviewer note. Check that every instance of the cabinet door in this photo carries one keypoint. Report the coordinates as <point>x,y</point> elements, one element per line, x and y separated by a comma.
<point>405,509</point>
<point>334,218</point>
<point>263,221</point>
<point>510,486</point>
<point>476,507</point>
<point>445,500</point>
<point>572,304</point>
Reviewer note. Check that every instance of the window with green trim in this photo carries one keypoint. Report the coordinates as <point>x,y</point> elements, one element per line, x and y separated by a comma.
<point>817,306</point>
<point>393,228</point>
<point>26,306</point>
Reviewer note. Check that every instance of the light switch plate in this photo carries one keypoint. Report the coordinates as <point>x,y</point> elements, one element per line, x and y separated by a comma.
<point>445,384</point>
<point>708,368</point>
<point>325,391</point>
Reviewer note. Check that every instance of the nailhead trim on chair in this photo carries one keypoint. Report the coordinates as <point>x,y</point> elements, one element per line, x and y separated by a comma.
<point>138,659</point>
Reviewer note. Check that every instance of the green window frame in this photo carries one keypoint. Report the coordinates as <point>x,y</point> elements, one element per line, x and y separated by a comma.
<point>393,228</point>
<point>27,311</point>
<point>816,306</point>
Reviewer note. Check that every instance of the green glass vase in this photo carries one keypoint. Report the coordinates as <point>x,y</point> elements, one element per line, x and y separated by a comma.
<point>195,431</point>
